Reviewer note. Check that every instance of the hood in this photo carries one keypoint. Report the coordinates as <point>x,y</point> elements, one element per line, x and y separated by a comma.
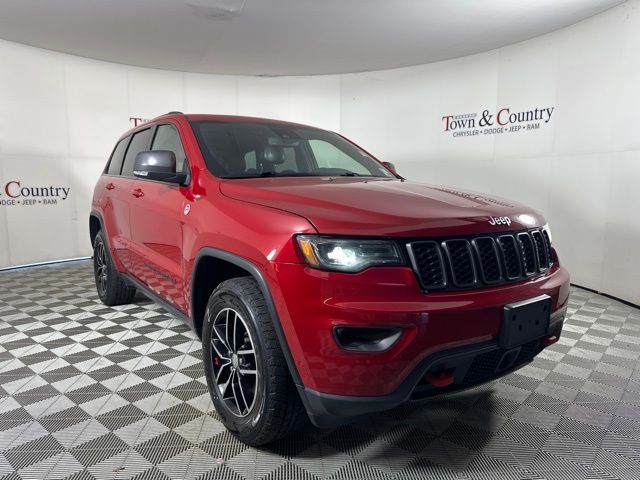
<point>383,207</point>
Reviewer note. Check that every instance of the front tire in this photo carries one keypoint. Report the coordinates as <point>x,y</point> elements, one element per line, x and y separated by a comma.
<point>246,371</point>
<point>112,288</point>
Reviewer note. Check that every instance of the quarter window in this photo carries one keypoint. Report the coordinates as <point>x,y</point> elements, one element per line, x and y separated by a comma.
<point>115,164</point>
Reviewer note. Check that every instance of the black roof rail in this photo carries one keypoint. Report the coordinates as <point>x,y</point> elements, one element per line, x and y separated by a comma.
<point>170,113</point>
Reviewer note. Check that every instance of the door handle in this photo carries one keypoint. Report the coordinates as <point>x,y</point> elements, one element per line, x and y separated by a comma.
<point>109,186</point>
<point>137,192</point>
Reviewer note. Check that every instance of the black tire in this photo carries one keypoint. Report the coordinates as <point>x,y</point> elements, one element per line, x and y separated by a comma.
<point>112,288</point>
<point>276,409</point>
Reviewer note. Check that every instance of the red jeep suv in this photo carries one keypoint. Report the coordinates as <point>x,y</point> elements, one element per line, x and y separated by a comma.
<point>321,282</point>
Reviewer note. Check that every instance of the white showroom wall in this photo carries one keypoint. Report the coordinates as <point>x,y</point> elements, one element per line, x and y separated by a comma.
<point>60,115</point>
<point>581,169</point>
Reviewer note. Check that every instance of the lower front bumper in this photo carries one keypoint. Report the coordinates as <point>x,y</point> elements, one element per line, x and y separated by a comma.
<point>471,365</point>
<point>316,302</point>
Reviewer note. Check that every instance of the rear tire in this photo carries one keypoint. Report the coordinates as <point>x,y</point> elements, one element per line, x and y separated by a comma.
<point>268,406</point>
<point>112,288</point>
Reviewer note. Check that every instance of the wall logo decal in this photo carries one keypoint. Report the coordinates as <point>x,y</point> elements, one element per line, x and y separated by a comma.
<point>19,193</point>
<point>502,121</point>
<point>135,121</point>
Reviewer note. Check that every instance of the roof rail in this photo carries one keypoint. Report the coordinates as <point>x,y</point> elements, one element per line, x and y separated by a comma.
<point>169,113</point>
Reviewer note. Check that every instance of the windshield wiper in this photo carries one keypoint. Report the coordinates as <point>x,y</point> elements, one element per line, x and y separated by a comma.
<point>349,174</point>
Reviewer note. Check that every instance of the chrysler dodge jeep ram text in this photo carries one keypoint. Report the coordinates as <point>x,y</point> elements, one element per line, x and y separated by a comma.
<point>321,282</point>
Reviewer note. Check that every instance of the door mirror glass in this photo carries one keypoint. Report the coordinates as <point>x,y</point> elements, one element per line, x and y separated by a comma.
<point>158,165</point>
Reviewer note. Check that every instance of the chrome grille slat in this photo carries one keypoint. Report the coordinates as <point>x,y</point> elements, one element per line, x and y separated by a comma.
<point>541,250</point>
<point>460,256</point>
<point>527,252</point>
<point>426,258</point>
<point>510,257</point>
<point>547,245</point>
<point>480,261</point>
<point>488,258</point>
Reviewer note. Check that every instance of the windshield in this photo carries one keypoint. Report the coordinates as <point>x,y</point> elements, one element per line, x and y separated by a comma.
<point>249,150</point>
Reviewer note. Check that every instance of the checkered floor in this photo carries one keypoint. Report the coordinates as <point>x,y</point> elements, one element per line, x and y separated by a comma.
<point>88,391</point>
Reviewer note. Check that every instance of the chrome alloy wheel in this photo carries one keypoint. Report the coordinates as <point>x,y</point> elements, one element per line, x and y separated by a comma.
<point>235,364</point>
<point>101,268</point>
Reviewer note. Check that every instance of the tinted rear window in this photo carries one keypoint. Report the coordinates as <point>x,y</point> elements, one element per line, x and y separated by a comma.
<point>115,164</point>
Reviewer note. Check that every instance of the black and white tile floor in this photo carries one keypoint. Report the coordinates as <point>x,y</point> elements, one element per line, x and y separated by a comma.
<point>88,391</point>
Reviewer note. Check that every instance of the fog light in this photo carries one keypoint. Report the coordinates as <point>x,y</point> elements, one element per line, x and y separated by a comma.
<point>366,339</point>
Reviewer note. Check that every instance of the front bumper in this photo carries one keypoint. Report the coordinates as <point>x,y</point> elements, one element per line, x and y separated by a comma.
<point>458,326</point>
<point>471,365</point>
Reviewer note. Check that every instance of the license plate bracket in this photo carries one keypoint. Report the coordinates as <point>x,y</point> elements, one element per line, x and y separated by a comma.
<point>525,321</point>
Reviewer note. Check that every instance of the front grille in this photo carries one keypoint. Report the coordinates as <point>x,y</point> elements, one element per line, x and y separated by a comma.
<point>476,262</point>
<point>528,253</point>
<point>489,261</point>
<point>463,272</point>
<point>541,249</point>
<point>427,258</point>
<point>509,249</point>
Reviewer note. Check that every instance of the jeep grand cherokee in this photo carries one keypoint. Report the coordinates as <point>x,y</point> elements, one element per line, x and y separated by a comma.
<point>321,283</point>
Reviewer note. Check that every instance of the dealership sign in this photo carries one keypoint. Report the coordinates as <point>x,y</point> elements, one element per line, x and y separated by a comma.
<point>501,121</point>
<point>17,192</point>
<point>135,121</point>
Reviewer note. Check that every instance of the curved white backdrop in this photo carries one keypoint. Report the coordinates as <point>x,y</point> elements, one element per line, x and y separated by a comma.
<point>582,169</point>
<point>60,115</point>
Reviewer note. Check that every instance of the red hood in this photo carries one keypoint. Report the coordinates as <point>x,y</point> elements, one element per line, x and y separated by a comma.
<point>388,207</point>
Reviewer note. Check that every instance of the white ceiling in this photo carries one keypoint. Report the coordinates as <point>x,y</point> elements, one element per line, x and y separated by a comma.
<point>283,37</point>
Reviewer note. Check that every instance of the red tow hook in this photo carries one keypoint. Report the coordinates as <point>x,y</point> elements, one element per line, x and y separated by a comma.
<point>440,379</point>
<point>550,340</point>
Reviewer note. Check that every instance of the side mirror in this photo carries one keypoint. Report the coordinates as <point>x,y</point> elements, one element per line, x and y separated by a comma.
<point>390,166</point>
<point>158,165</point>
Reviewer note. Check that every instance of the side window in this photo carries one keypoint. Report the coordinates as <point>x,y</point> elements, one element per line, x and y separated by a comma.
<point>329,156</point>
<point>168,138</point>
<point>117,157</point>
<point>138,144</point>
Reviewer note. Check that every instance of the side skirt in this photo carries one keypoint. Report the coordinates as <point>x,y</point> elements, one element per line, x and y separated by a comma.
<point>147,292</point>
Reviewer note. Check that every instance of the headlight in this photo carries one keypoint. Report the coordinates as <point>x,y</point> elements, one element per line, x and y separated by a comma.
<point>348,254</point>
<point>548,230</point>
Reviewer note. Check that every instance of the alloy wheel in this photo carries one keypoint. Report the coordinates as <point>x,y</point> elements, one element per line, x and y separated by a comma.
<point>101,268</point>
<point>235,364</point>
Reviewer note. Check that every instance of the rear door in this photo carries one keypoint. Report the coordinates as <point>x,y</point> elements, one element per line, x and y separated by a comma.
<point>157,219</point>
<point>115,205</point>
<point>122,185</point>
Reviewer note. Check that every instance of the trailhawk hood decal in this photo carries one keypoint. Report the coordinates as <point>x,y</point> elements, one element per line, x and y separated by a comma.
<point>359,206</point>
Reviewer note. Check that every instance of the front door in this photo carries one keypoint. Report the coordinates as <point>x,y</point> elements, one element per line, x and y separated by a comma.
<point>157,219</point>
